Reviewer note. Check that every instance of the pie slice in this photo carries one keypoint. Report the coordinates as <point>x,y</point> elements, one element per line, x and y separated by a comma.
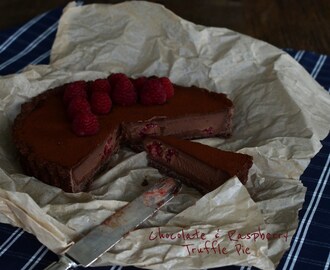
<point>200,166</point>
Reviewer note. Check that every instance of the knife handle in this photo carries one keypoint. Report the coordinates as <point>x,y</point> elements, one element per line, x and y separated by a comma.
<point>64,263</point>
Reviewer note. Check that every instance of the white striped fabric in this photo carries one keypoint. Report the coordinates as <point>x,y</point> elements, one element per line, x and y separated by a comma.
<point>10,241</point>
<point>307,218</point>
<point>31,46</point>
<point>19,32</point>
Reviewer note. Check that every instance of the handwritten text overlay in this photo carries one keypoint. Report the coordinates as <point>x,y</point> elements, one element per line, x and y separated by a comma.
<point>213,244</point>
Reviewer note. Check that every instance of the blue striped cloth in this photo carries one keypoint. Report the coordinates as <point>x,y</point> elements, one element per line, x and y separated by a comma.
<point>31,44</point>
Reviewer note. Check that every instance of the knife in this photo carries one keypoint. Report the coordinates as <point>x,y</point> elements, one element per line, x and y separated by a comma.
<point>114,228</point>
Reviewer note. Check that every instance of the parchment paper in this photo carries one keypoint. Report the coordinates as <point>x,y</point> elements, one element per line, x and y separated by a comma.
<point>281,114</point>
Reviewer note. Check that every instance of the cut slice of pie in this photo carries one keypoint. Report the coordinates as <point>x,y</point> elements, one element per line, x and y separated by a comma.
<point>196,164</point>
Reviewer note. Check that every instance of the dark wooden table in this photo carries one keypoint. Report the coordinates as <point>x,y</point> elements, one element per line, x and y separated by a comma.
<point>297,24</point>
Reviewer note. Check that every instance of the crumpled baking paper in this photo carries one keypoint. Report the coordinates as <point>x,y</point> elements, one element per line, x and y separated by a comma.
<point>281,114</point>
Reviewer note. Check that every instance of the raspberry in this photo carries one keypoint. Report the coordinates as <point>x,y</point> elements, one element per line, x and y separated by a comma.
<point>152,93</point>
<point>85,124</point>
<point>170,153</point>
<point>100,102</point>
<point>168,86</point>
<point>138,83</point>
<point>155,149</point>
<point>78,105</point>
<point>124,92</point>
<point>101,85</point>
<point>115,77</point>
<point>78,88</point>
<point>149,129</point>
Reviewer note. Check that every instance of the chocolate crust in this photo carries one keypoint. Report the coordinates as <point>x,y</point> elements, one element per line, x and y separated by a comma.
<point>50,173</point>
<point>47,171</point>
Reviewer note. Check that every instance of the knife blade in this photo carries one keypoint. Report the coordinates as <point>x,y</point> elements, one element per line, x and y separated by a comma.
<point>102,238</point>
